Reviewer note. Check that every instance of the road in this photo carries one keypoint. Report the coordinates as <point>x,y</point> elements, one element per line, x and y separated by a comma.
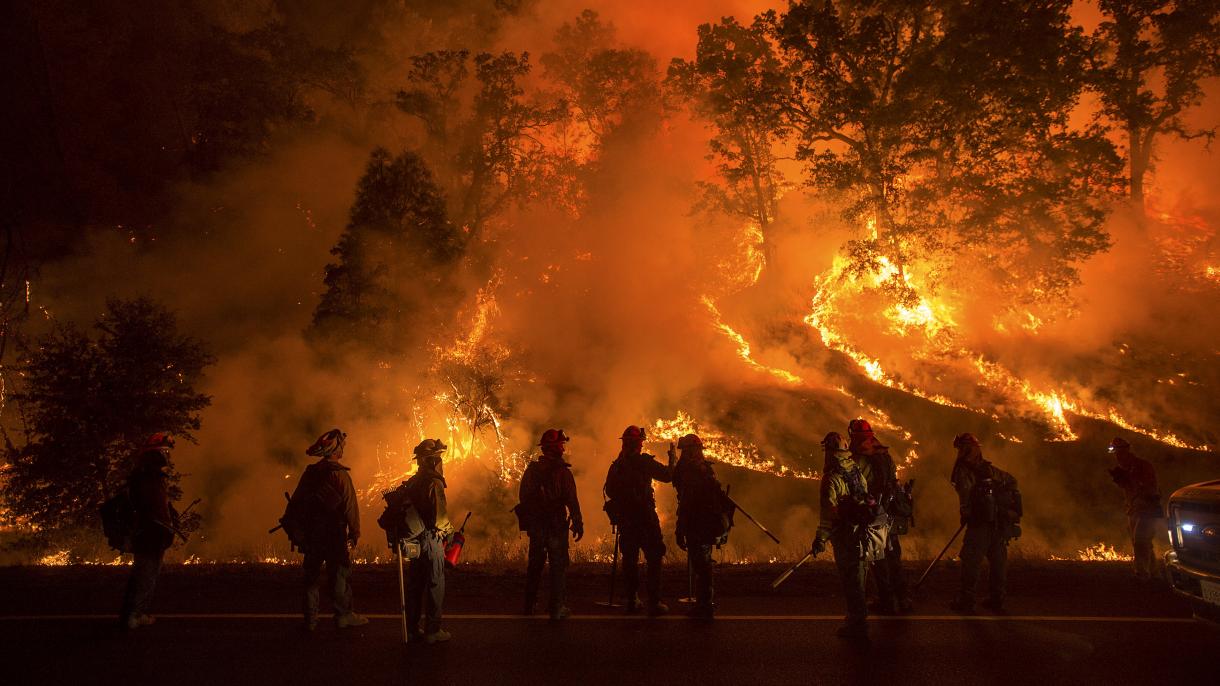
<point>1070,624</point>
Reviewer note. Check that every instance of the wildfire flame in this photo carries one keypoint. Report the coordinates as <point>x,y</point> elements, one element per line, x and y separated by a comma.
<point>719,447</point>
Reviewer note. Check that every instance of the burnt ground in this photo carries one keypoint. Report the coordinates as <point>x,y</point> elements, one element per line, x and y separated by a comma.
<point>1068,622</point>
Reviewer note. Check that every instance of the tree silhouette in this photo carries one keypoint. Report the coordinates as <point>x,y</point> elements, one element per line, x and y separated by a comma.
<point>88,402</point>
<point>1149,61</point>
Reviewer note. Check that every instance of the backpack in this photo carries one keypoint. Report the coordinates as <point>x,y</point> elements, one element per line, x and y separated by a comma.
<point>118,515</point>
<point>617,493</point>
<point>400,520</point>
<point>545,498</point>
<point>312,497</point>
<point>868,519</point>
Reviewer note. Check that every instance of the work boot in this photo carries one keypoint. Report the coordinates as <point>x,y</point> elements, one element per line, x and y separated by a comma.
<point>657,609</point>
<point>438,636</point>
<point>415,636</point>
<point>350,619</point>
<point>962,605</point>
<point>853,631</point>
<point>905,607</point>
<point>560,613</point>
<point>311,624</point>
<point>632,605</point>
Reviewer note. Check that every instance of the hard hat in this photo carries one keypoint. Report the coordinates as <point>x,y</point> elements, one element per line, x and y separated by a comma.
<point>159,440</point>
<point>835,441</point>
<point>553,436</point>
<point>328,444</point>
<point>690,441</point>
<point>859,426</point>
<point>430,447</point>
<point>633,433</point>
<point>962,440</point>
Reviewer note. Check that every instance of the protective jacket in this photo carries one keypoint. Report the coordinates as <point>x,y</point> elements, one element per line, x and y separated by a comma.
<point>325,500</point>
<point>704,511</point>
<point>843,510</point>
<point>1137,478</point>
<point>984,491</point>
<point>427,492</point>
<point>629,488</point>
<point>154,516</point>
<point>548,496</point>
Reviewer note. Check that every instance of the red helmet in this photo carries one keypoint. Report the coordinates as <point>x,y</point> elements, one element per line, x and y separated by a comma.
<point>690,441</point>
<point>633,433</point>
<point>159,440</point>
<point>963,440</point>
<point>1119,445</point>
<point>553,436</point>
<point>859,426</point>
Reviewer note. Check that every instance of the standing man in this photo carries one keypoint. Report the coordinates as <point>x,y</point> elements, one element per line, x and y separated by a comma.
<point>633,508</point>
<point>846,509</point>
<point>548,507</point>
<point>426,578</point>
<point>325,504</point>
<point>153,528</point>
<point>882,475</point>
<point>991,512</point>
<point>703,518</point>
<point>1137,478</point>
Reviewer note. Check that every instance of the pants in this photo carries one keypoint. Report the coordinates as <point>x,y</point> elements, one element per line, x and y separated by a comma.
<point>644,537</point>
<point>1143,530</point>
<point>338,571</point>
<point>426,584</point>
<point>891,579</point>
<point>141,583</point>
<point>983,541</point>
<point>699,555</point>
<point>853,574</point>
<point>544,545</point>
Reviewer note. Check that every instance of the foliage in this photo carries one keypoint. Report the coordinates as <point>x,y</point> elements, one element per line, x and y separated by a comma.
<point>390,272</point>
<point>738,83</point>
<point>1150,59</point>
<point>89,401</point>
<point>940,128</point>
<point>481,130</point>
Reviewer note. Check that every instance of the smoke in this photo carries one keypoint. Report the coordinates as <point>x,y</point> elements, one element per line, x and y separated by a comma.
<point>606,319</point>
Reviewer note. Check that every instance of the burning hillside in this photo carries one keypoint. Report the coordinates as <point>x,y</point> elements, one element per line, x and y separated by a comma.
<point>474,226</point>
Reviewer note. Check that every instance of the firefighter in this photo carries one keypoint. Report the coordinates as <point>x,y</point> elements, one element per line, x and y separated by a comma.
<point>548,508</point>
<point>426,578</point>
<point>633,509</point>
<point>882,475</point>
<point>153,528</point>
<point>991,511</point>
<point>325,503</point>
<point>844,499</point>
<point>703,518</point>
<point>1137,478</point>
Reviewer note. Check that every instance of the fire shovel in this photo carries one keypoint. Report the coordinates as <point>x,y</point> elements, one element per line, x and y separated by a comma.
<point>942,554</point>
<point>613,568</point>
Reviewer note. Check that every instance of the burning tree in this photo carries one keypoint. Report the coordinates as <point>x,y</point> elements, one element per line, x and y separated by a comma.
<point>88,402</point>
<point>738,83</point>
<point>1150,59</point>
<point>944,125</point>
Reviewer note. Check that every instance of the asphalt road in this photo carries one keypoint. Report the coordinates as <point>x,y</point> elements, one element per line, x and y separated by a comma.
<point>1070,623</point>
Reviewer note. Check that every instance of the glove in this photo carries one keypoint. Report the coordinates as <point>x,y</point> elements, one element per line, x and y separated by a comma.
<point>681,541</point>
<point>578,531</point>
<point>819,546</point>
